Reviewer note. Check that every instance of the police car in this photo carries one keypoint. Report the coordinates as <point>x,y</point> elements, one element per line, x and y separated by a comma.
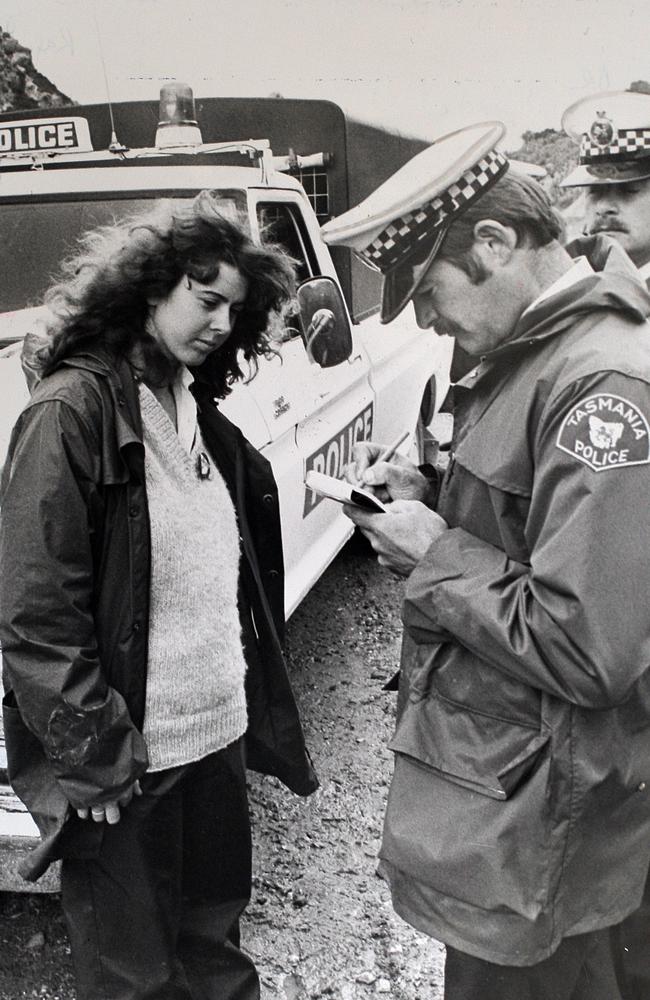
<point>331,382</point>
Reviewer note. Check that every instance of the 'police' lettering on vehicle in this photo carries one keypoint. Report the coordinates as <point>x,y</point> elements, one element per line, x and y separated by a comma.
<point>46,135</point>
<point>335,454</point>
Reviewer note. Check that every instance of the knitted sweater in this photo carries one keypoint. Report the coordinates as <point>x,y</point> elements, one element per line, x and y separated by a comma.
<point>195,699</point>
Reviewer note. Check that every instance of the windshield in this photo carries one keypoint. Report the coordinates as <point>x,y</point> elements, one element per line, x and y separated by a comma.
<point>37,236</point>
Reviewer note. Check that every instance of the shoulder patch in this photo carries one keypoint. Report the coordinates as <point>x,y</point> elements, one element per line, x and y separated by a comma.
<point>605,432</point>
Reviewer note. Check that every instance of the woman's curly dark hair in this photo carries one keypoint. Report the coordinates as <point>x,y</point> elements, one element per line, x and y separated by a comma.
<point>108,285</point>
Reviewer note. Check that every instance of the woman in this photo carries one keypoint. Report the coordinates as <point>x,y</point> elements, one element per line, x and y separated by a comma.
<point>142,604</point>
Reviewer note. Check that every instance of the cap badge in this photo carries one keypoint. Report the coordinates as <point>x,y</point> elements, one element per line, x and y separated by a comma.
<point>602,130</point>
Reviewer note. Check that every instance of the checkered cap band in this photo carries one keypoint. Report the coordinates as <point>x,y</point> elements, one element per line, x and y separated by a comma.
<point>626,143</point>
<point>403,235</point>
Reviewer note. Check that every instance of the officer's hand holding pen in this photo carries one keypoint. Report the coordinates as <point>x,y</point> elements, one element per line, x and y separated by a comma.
<point>385,472</point>
<point>401,538</point>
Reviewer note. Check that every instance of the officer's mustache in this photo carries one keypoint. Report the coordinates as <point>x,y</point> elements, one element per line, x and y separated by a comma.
<point>607,227</point>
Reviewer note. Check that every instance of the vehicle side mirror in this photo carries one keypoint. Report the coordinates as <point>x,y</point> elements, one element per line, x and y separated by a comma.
<point>324,322</point>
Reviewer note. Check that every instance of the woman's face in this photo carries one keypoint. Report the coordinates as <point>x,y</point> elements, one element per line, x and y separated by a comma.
<point>196,318</point>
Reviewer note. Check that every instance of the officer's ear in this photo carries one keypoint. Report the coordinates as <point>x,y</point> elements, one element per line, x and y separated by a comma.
<point>494,243</point>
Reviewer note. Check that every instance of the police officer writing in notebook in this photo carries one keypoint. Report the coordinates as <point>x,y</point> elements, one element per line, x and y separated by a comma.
<point>518,822</point>
<point>613,130</point>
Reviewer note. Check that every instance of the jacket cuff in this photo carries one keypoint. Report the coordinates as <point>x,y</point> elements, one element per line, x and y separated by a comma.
<point>96,753</point>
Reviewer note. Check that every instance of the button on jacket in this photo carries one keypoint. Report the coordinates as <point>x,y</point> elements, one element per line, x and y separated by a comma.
<point>519,812</point>
<point>74,597</point>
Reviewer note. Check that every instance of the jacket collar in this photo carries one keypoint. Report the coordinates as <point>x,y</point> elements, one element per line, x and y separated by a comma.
<point>613,286</point>
<point>122,386</point>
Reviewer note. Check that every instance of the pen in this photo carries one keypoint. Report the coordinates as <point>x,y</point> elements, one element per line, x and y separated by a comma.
<point>389,451</point>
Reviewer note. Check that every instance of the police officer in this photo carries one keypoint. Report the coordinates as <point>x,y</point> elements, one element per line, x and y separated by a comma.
<point>613,130</point>
<point>518,822</point>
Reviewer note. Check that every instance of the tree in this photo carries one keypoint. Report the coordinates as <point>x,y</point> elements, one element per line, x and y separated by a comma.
<point>554,151</point>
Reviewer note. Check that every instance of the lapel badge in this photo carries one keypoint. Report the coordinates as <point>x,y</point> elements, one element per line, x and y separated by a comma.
<point>203,469</point>
<point>602,130</point>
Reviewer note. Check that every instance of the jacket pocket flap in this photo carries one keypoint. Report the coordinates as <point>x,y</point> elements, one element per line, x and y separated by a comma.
<point>478,751</point>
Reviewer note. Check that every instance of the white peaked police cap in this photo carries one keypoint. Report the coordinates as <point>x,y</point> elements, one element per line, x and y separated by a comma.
<point>613,130</point>
<point>408,215</point>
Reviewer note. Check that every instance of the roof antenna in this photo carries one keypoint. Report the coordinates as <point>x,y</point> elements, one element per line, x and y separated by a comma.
<point>114,146</point>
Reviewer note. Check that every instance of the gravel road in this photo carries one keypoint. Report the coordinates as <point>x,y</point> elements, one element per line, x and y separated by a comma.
<point>320,922</point>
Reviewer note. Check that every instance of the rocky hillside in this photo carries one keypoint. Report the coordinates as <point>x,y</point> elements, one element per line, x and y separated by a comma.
<point>21,85</point>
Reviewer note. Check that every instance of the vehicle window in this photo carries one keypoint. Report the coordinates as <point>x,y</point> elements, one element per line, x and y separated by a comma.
<point>37,236</point>
<point>315,181</point>
<point>282,224</point>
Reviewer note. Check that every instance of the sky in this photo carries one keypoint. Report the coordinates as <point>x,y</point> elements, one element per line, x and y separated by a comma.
<point>422,67</point>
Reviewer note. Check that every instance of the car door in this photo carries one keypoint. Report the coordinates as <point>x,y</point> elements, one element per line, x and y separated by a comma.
<point>316,410</point>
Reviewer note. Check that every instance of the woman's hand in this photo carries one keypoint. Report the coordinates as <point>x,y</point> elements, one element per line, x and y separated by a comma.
<point>109,812</point>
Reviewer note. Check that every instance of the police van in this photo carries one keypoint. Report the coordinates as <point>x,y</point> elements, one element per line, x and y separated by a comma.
<point>337,375</point>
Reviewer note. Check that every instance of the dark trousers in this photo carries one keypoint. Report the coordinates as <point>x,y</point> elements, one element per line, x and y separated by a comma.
<point>156,915</point>
<point>582,968</point>
<point>631,943</point>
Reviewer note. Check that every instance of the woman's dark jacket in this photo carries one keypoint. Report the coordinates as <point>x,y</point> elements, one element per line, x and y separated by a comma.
<point>74,593</point>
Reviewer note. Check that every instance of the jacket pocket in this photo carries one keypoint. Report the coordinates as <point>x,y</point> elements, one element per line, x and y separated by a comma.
<point>468,811</point>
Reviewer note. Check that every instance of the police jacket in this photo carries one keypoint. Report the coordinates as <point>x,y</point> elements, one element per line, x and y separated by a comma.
<point>74,591</point>
<point>519,811</point>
